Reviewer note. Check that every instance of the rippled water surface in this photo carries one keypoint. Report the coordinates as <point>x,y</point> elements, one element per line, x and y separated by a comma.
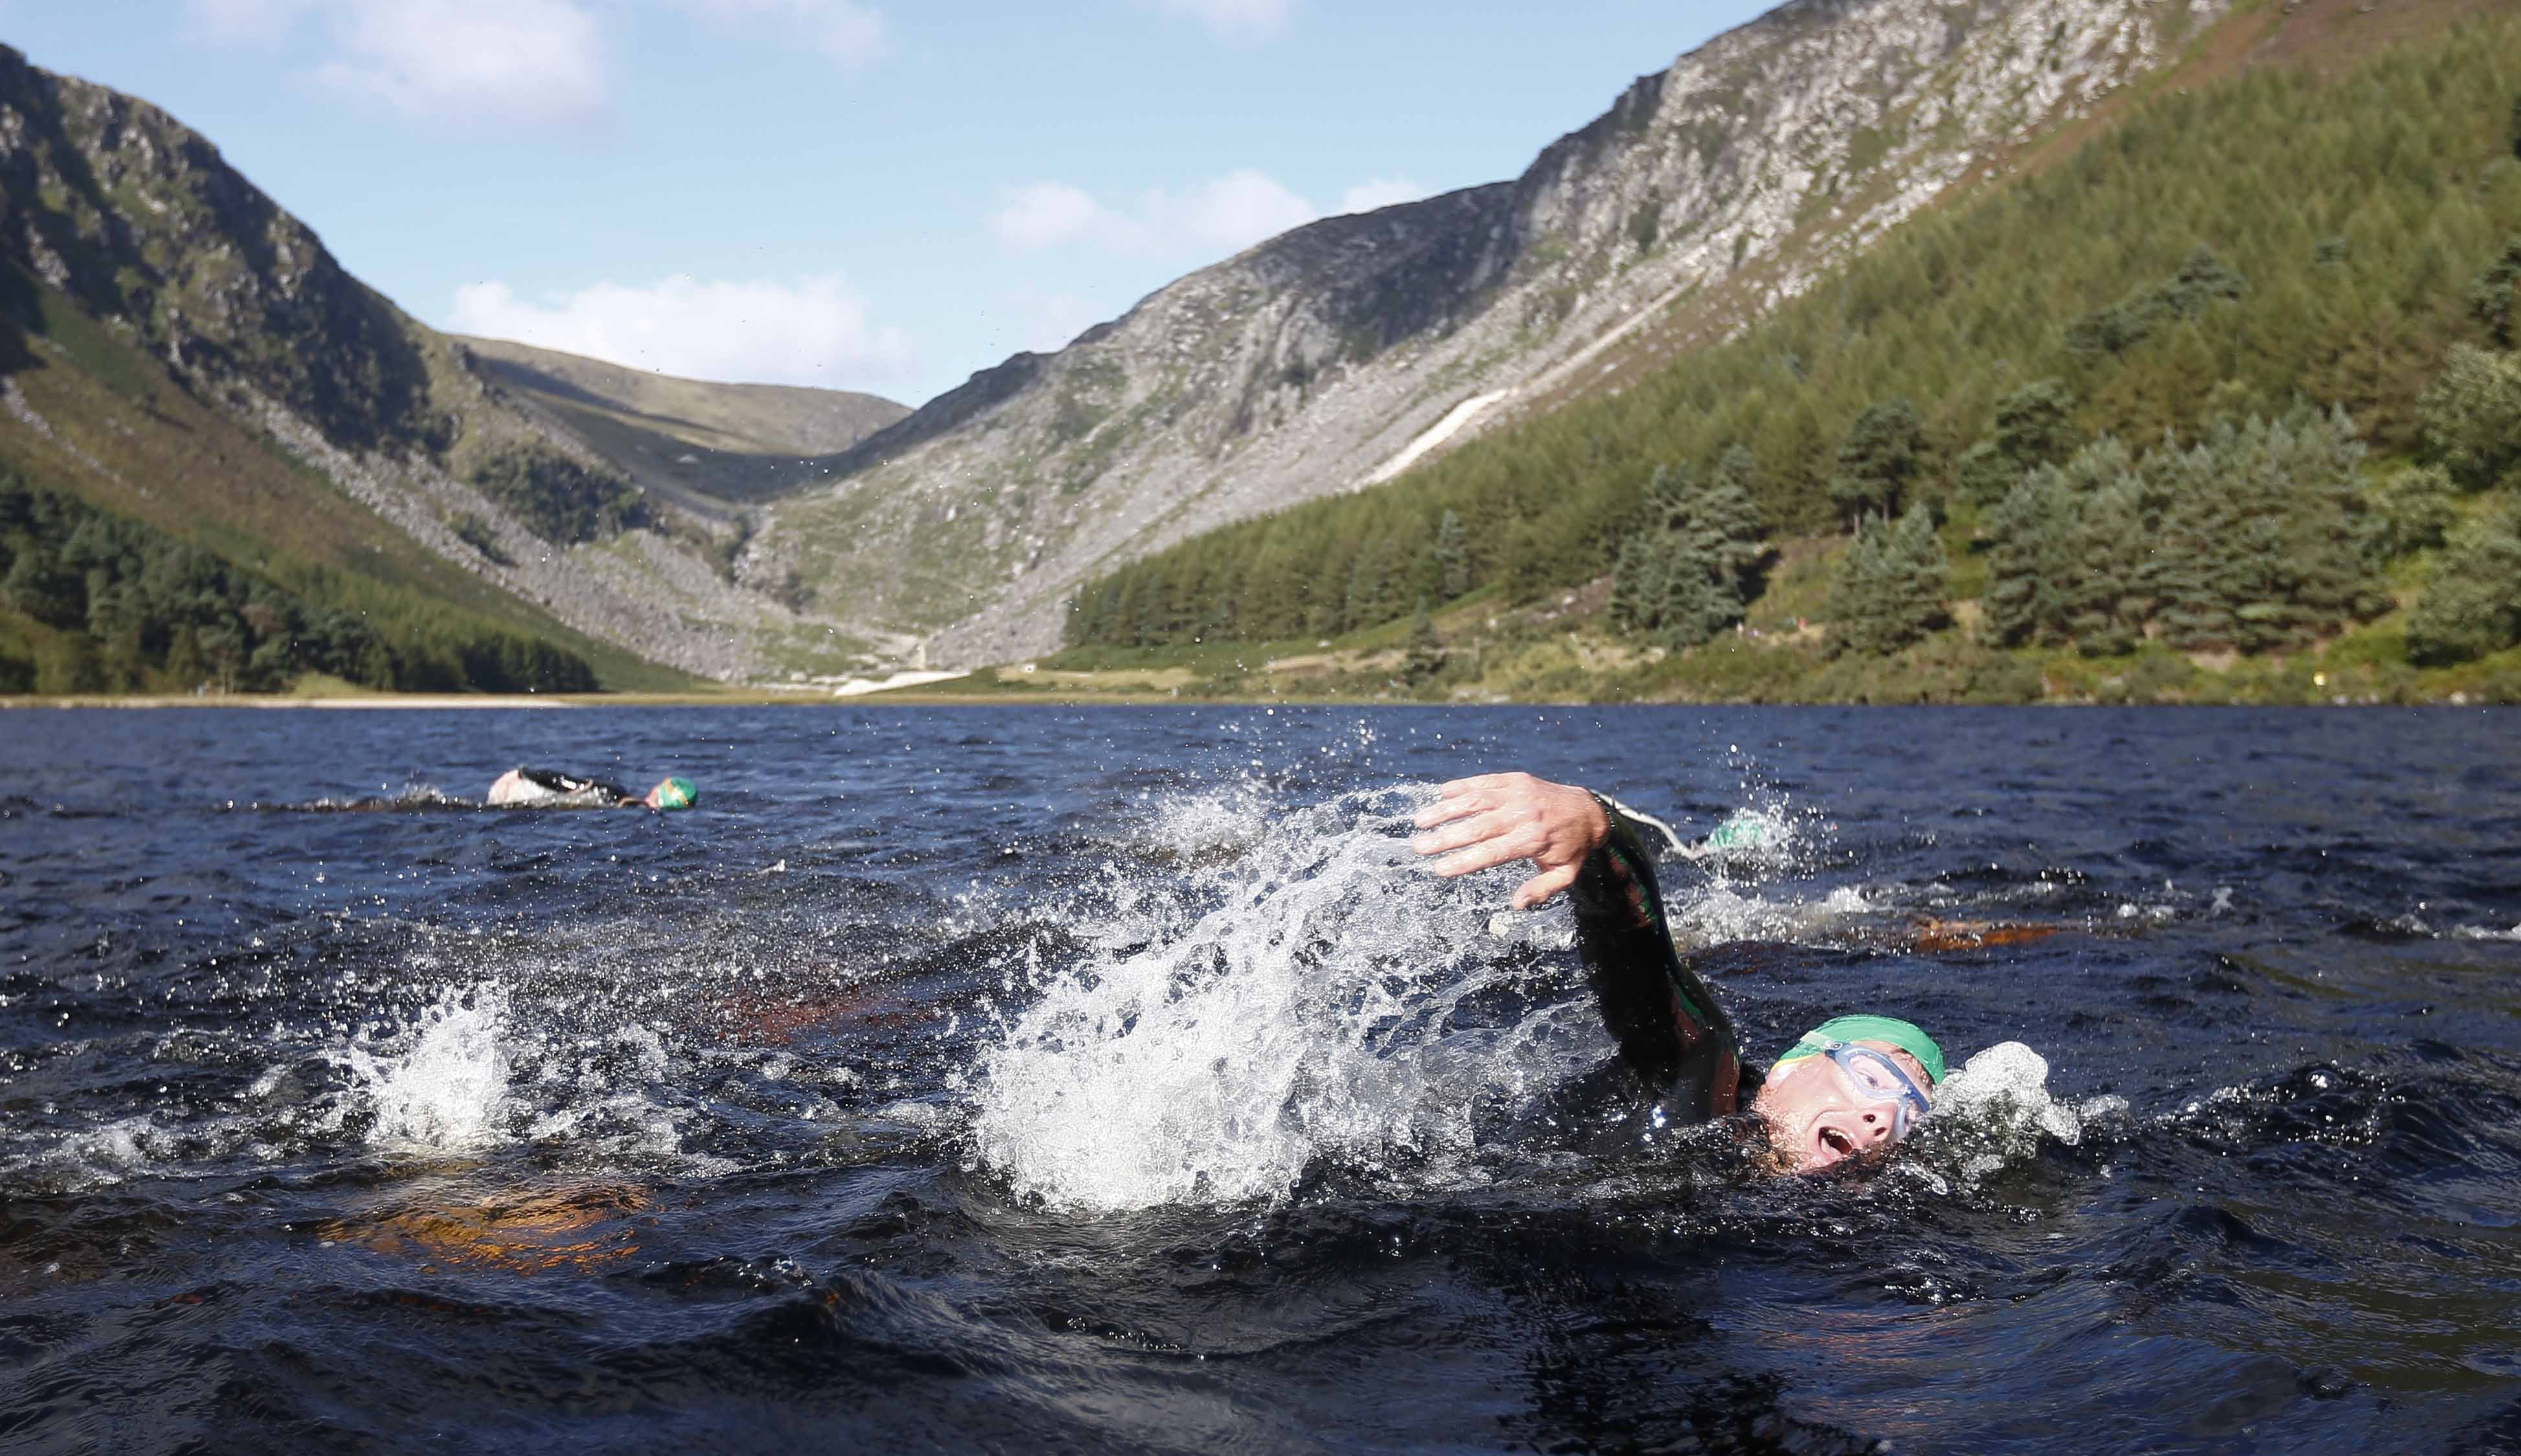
<point>1111,1081</point>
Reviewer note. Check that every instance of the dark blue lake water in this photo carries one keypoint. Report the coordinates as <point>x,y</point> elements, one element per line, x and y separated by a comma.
<point>1112,1080</point>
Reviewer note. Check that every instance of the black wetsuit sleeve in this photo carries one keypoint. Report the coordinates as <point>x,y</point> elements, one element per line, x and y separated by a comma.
<point>561,783</point>
<point>1665,1019</point>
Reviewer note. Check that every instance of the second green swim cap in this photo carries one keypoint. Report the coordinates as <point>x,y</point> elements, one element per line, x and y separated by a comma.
<point>678,793</point>
<point>1904,1035</point>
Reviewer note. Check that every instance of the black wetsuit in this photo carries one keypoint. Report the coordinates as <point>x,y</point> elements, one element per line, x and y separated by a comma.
<point>569,791</point>
<point>1669,1028</point>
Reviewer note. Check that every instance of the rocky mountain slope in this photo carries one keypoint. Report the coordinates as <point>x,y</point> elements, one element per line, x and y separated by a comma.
<point>707,447</point>
<point>1334,356</point>
<point>176,346</point>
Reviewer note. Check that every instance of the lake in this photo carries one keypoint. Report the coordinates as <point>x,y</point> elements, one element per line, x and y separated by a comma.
<point>1112,1079</point>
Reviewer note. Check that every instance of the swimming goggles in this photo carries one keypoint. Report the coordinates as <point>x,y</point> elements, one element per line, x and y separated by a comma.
<point>1875,1077</point>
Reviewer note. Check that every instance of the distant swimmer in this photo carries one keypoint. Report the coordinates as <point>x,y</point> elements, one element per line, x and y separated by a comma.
<point>1852,1086</point>
<point>542,789</point>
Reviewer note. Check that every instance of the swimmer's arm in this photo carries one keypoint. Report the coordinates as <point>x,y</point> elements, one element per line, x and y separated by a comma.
<point>1665,1018</point>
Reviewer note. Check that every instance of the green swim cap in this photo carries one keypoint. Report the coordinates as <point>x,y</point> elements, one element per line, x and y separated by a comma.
<point>678,793</point>
<point>1902,1035</point>
<point>1741,832</point>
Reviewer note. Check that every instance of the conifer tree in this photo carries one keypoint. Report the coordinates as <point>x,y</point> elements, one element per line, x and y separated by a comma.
<point>1667,500</point>
<point>2472,607</point>
<point>1695,605</point>
<point>2191,577</point>
<point>1889,591</point>
<point>2108,550</point>
<point>1916,573</point>
<point>1425,655</point>
<point>1683,577</point>
<point>1724,522</point>
<point>1737,472</point>
<point>1883,452</point>
<point>2414,511</point>
<point>1363,604</point>
<point>1638,581</point>
<point>2493,292</point>
<point>2472,415</point>
<point>2033,426</point>
<point>1452,556</point>
<point>2030,560</point>
<point>1857,593</point>
<point>1980,474</point>
<point>2202,279</point>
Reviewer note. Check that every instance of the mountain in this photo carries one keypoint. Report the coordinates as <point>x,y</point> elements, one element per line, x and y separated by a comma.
<point>180,352</point>
<point>704,447</point>
<point>1332,357</point>
<point>2219,402</point>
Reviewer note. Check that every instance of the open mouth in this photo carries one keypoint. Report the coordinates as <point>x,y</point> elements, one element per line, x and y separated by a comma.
<point>1836,1143</point>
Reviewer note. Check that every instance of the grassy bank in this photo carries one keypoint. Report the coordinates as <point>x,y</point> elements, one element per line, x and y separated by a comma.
<point>1566,650</point>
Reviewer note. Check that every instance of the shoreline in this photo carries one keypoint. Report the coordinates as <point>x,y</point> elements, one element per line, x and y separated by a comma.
<point>914,698</point>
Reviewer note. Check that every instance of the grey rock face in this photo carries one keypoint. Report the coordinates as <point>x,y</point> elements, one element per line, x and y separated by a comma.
<point>1312,363</point>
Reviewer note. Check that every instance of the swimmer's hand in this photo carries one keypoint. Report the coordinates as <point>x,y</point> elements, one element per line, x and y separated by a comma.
<point>1480,823</point>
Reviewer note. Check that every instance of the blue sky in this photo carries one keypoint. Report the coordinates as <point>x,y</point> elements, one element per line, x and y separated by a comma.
<point>857,194</point>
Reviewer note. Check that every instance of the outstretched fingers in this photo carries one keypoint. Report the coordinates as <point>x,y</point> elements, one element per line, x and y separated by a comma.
<point>1451,835</point>
<point>1539,888</point>
<point>1485,855</point>
<point>1460,798</point>
<point>1480,823</point>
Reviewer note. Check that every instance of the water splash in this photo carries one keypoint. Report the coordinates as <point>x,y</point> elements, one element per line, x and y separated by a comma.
<point>1758,839</point>
<point>1997,1110</point>
<point>1749,866</point>
<point>1718,912</point>
<point>409,798</point>
<point>1313,1006</point>
<point>442,1085</point>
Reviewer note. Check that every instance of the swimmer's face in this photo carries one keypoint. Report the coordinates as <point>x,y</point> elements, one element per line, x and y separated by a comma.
<point>1817,1118</point>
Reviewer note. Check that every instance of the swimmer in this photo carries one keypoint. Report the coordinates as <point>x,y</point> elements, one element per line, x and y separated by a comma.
<point>1851,1088</point>
<point>542,789</point>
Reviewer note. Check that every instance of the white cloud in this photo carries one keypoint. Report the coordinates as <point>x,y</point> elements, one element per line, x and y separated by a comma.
<point>459,63</point>
<point>815,330</point>
<point>248,19</point>
<point>1232,212</point>
<point>847,31</point>
<point>1236,19</point>
<point>466,62</point>
<point>1217,217</point>
<point>1380,192</point>
<point>1049,214</point>
<point>475,63</point>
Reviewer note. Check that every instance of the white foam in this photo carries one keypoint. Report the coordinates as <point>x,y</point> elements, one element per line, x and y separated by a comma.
<point>1299,1007</point>
<point>1195,825</point>
<point>442,1084</point>
<point>1717,912</point>
<point>1997,1110</point>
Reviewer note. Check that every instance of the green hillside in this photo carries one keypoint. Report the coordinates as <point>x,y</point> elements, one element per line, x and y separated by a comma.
<point>102,436</point>
<point>2234,369</point>
<point>194,389</point>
